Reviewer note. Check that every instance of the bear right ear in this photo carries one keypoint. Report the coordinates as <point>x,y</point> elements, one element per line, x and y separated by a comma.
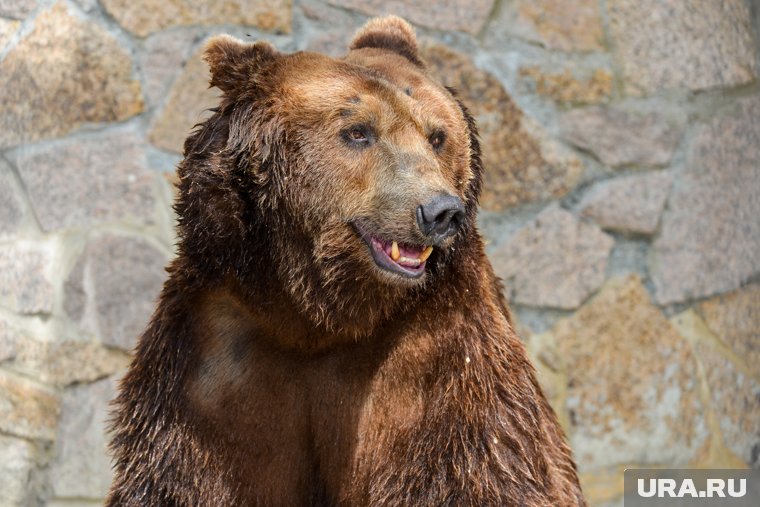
<point>391,33</point>
<point>233,61</point>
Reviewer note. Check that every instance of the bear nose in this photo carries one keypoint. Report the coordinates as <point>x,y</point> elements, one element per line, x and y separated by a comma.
<point>441,217</point>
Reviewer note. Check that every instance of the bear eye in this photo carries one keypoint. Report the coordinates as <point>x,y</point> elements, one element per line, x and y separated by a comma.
<point>437,139</point>
<point>358,135</point>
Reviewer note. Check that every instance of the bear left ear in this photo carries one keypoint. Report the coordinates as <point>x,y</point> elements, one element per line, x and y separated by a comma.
<point>391,33</point>
<point>233,61</point>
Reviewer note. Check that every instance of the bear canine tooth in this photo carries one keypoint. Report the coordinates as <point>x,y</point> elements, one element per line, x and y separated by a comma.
<point>426,253</point>
<point>395,254</point>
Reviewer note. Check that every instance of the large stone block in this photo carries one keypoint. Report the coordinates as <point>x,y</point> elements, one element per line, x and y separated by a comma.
<point>144,17</point>
<point>82,182</point>
<point>25,279</point>
<point>692,45</point>
<point>565,25</point>
<point>735,319</point>
<point>632,392</point>
<point>630,204</point>
<point>618,137</point>
<point>64,73</point>
<point>112,290</point>
<point>26,409</point>
<point>710,234</point>
<point>444,15</point>
<point>522,164</point>
<point>81,467</point>
<point>189,100</point>
<point>556,260</point>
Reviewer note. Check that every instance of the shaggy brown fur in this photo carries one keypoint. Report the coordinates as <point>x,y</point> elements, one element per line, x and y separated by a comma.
<point>283,366</point>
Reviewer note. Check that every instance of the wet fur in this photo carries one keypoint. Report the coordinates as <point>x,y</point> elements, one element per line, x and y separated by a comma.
<point>279,370</point>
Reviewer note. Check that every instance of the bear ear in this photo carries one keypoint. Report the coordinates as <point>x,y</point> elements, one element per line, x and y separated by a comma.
<point>232,61</point>
<point>391,33</point>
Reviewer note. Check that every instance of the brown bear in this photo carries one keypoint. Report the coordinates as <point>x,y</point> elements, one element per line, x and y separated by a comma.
<point>331,332</point>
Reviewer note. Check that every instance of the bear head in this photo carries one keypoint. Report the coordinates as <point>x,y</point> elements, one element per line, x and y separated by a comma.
<point>346,188</point>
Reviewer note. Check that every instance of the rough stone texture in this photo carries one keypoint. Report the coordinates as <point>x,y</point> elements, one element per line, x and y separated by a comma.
<point>175,122</point>
<point>556,260</point>
<point>16,468</point>
<point>144,17</point>
<point>735,319</point>
<point>61,363</point>
<point>8,29</point>
<point>163,55</point>
<point>11,210</point>
<point>121,277</point>
<point>630,204</point>
<point>618,137</point>
<point>565,25</point>
<point>18,9</point>
<point>632,393</point>
<point>83,182</point>
<point>25,285</point>
<point>566,88</point>
<point>460,15</point>
<point>81,467</point>
<point>522,164</point>
<point>27,410</point>
<point>736,402</point>
<point>710,235</point>
<point>691,45</point>
<point>64,73</point>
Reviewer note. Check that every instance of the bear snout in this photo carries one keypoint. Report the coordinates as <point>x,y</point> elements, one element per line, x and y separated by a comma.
<point>441,217</point>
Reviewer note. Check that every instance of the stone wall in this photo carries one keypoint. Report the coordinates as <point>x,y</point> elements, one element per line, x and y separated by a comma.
<point>621,206</point>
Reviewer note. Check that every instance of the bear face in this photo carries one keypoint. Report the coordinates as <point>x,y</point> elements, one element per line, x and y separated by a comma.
<point>364,170</point>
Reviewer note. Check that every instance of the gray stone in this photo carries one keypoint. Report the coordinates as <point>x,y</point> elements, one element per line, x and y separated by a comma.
<point>11,210</point>
<point>121,277</point>
<point>26,409</point>
<point>64,73</point>
<point>16,468</point>
<point>630,204</point>
<point>618,137</point>
<point>692,45</point>
<point>555,261</point>
<point>82,182</point>
<point>81,466</point>
<point>461,15</point>
<point>189,100</point>
<point>164,54</point>
<point>144,17</point>
<point>17,9</point>
<point>736,401</point>
<point>632,389</point>
<point>10,339</point>
<point>25,284</point>
<point>710,234</point>
<point>565,25</point>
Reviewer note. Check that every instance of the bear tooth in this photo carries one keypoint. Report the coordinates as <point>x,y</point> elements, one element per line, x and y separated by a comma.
<point>395,254</point>
<point>426,253</point>
<point>406,261</point>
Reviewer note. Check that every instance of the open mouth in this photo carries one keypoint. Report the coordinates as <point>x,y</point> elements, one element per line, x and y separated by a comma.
<point>402,259</point>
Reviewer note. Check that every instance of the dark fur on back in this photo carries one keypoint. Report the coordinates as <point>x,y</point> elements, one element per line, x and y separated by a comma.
<point>277,371</point>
